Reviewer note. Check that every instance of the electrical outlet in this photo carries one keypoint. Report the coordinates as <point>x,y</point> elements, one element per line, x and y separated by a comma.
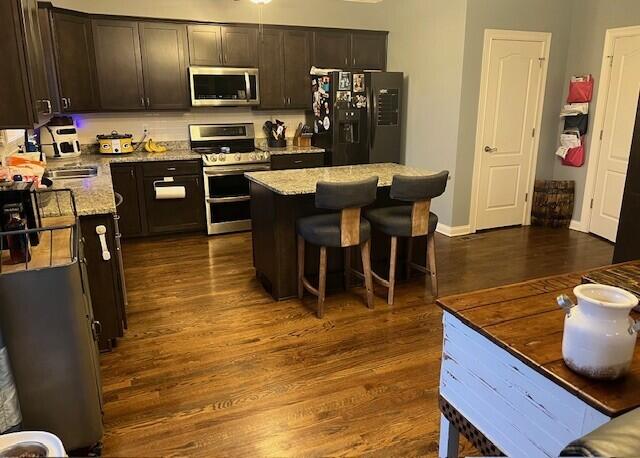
<point>145,129</point>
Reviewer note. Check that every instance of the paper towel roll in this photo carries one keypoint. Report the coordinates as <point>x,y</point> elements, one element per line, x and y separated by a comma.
<point>170,192</point>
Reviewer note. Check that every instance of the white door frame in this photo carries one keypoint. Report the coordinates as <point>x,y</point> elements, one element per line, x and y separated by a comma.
<point>494,34</point>
<point>595,146</point>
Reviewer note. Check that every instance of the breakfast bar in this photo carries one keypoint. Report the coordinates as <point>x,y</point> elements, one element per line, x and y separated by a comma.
<point>279,198</point>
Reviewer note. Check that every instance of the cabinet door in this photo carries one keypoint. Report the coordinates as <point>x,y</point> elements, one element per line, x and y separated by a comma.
<point>106,297</point>
<point>175,215</point>
<point>164,63</point>
<point>205,45</point>
<point>75,62</point>
<point>331,49</point>
<point>297,63</point>
<point>41,100</point>
<point>369,50</point>
<point>125,183</point>
<point>46,31</point>
<point>16,109</point>
<point>240,46</point>
<point>272,80</point>
<point>118,64</point>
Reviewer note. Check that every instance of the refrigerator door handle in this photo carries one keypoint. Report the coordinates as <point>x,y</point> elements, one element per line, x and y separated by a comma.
<point>374,118</point>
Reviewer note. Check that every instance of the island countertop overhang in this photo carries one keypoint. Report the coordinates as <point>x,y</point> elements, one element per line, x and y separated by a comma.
<point>304,181</point>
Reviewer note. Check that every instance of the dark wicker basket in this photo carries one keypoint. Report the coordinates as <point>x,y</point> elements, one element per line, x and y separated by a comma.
<point>553,203</point>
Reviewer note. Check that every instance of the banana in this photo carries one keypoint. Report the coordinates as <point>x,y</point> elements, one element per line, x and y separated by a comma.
<point>152,147</point>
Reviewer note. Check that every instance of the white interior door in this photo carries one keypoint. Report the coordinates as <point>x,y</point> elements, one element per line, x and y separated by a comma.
<point>619,119</point>
<point>514,76</point>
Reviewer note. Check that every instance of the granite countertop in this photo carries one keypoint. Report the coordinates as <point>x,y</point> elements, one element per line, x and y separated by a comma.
<point>303,181</point>
<point>95,196</point>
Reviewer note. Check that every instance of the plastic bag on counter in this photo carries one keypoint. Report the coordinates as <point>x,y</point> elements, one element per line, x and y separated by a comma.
<point>10,416</point>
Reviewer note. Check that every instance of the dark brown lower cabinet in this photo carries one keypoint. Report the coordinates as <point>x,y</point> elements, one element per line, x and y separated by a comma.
<point>175,215</point>
<point>125,178</point>
<point>105,280</point>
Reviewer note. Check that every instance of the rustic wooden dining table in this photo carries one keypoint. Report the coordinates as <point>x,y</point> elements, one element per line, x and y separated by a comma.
<point>503,382</point>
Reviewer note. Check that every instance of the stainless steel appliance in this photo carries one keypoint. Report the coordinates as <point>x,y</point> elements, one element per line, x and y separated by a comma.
<point>228,151</point>
<point>216,86</point>
<point>357,116</point>
<point>59,138</point>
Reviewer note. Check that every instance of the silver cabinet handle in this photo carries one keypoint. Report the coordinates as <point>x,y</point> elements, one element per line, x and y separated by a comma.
<point>488,149</point>
<point>102,234</point>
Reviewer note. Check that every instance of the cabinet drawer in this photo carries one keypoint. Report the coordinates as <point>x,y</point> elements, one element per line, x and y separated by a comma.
<point>171,168</point>
<point>297,161</point>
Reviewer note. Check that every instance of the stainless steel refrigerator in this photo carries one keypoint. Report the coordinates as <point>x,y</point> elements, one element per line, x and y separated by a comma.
<point>357,116</point>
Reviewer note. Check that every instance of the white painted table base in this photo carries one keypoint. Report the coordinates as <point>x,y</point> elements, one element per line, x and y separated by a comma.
<point>522,412</point>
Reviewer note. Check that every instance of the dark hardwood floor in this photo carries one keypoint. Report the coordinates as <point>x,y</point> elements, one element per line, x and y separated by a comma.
<point>211,366</point>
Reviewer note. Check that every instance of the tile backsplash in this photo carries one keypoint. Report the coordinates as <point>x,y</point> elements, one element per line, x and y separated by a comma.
<point>175,125</point>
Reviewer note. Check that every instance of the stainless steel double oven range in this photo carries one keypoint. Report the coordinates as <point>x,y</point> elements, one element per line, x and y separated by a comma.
<point>228,151</point>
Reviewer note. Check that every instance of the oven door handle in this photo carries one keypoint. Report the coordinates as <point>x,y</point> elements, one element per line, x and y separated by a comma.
<point>247,84</point>
<point>221,173</point>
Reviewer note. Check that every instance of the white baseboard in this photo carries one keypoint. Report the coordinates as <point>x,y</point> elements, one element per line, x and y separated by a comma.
<point>455,231</point>
<point>578,226</point>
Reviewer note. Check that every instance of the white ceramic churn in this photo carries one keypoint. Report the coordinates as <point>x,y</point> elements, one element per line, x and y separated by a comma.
<point>599,335</point>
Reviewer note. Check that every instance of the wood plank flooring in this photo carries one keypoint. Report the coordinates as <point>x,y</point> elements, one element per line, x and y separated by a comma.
<point>212,366</point>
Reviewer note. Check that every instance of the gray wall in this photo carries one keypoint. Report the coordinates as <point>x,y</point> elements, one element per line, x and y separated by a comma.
<point>541,16</point>
<point>590,21</point>
<point>426,42</point>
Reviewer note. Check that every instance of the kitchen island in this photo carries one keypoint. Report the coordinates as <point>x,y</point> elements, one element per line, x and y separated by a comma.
<point>279,198</point>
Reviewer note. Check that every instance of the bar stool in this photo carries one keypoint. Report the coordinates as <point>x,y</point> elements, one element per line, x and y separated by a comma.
<point>337,230</point>
<point>410,221</point>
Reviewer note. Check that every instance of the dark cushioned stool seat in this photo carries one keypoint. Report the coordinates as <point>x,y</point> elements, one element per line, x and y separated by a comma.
<point>324,230</point>
<point>396,221</point>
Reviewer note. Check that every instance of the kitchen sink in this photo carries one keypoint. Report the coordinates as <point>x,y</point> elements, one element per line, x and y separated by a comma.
<point>72,172</point>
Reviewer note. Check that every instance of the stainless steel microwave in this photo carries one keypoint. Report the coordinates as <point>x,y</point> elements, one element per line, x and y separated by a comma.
<point>217,86</point>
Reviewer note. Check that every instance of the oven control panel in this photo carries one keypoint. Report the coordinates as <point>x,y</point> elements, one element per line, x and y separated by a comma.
<point>256,157</point>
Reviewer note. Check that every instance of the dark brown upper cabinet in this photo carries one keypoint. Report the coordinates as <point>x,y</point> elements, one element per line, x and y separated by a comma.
<point>164,62</point>
<point>297,64</point>
<point>240,46</point>
<point>272,84</point>
<point>231,46</point>
<point>369,50</point>
<point>24,94</point>
<point>119,64</point>
<point>46,32</point>
<point>331,48</point>
<point>205,45</point>
<point>285,61</point>
<point>75,61</point>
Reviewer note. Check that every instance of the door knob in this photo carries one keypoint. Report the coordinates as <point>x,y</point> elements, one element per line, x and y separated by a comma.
<point>488,149</point>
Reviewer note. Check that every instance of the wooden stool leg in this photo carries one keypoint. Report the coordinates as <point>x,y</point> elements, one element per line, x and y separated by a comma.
<point>365,249</point>
<point>431,256</point>
<point>409,257</point>
<point>300,266</point>
<point>347,268</point>
<point>322,282</point>
<point>392,269</point>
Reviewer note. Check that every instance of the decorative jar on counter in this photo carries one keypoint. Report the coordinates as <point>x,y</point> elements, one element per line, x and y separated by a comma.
<point>599,334</point>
